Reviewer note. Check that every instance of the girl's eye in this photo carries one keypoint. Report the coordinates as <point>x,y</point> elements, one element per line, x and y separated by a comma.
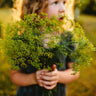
<point>54,3</point>
<point>64,2</point>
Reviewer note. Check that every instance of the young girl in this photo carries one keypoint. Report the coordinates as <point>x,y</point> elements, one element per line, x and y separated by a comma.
<point>31,80</point>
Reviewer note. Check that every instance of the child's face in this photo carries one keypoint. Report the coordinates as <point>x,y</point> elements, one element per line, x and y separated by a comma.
<point>55,7</point>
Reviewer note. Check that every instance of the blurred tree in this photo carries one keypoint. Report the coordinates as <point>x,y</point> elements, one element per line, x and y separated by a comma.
<point>86,6</point>
<point>90,8</point>
<point>6,3</point>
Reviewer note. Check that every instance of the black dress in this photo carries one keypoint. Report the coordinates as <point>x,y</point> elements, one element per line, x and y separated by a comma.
<point>36,90</point>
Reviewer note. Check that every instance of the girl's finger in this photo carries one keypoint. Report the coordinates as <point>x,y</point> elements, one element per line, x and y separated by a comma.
<point>54,73</point>
<point>38,73</point>
<point>40,83</point>
<point>44,70</point>
<point>47,78</point>
<point>54,67</point>
<point>49,87</point>
<point>49,82</point>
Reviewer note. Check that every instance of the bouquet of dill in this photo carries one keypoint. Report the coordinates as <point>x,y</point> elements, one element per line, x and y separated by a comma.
<point>42,42</point>
<point>36,41</point>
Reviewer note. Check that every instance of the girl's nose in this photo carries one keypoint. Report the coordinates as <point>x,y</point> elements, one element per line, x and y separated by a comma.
<point>62,8</point>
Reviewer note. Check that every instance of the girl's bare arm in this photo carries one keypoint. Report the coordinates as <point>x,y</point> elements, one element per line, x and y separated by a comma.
<point>22,79</point>
<point>41,76</point>
<point>66,76</point>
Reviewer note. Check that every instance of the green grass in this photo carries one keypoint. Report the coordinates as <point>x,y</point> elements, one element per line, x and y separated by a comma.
<point>84,86</point>
<point>5,15</point>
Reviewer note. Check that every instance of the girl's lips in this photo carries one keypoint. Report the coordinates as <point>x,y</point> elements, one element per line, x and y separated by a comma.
<point>61,18</point>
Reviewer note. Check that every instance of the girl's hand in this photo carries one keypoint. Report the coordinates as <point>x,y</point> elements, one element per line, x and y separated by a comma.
<point>38,76</point>
<point>49,80</point>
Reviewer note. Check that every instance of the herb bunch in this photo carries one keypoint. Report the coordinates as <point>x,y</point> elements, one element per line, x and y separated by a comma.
<point>35,41</point>
<point>42,42</point>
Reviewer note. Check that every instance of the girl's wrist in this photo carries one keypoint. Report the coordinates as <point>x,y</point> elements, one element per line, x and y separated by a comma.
<point>58,73</point>
<point>34,80</point>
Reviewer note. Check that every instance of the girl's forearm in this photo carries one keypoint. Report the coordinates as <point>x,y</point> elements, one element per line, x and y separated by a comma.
<point>22,79</point>
<point>66,76</point>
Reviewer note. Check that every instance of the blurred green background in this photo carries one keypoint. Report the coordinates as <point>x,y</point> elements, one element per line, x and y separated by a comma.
<point>85,13</point>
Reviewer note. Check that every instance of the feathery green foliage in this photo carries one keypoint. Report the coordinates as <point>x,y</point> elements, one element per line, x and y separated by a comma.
<point>42,43</point>
<point>36,41</point>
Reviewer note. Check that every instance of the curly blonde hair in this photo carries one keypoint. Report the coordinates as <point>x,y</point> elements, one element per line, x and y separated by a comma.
<point>29,6</point>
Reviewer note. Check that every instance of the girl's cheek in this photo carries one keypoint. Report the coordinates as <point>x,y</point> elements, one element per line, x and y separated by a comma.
<point>52,12</point>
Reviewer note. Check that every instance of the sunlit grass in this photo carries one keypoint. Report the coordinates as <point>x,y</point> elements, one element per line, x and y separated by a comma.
<point>5,15</point>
